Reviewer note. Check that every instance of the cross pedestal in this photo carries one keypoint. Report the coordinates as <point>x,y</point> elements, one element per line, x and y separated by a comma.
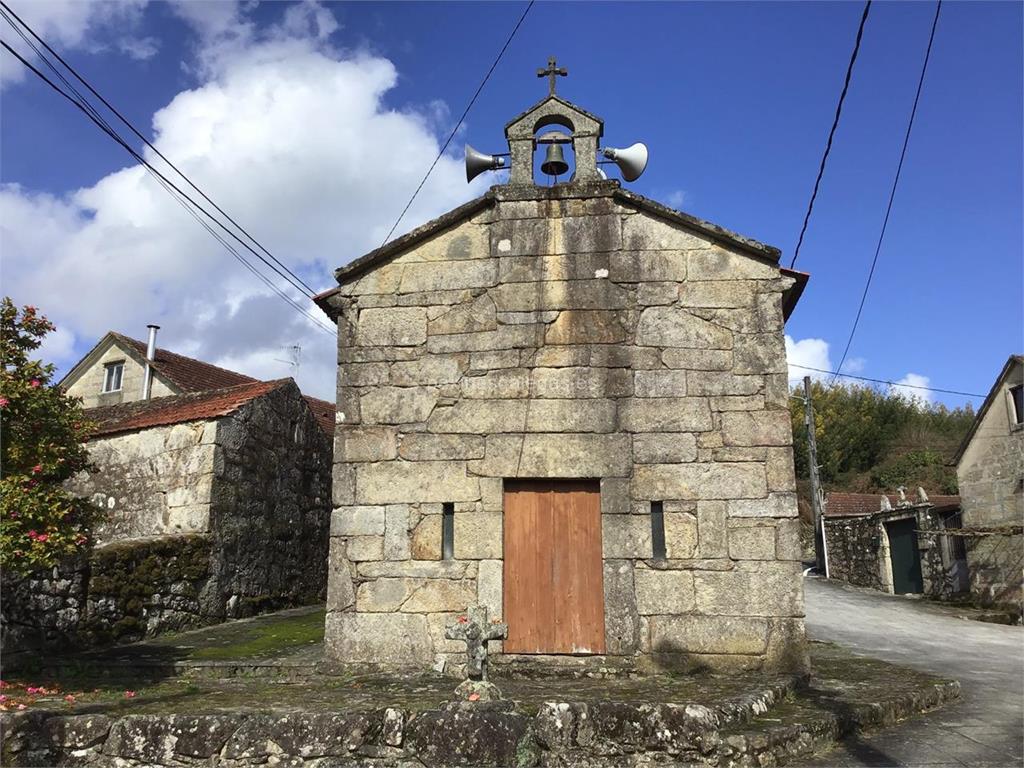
<point>475,630</point>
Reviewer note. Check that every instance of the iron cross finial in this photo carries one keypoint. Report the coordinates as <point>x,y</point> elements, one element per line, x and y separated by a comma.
<point>551,73</point>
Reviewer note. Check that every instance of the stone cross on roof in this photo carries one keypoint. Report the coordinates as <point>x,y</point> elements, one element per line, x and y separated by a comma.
<point>475,630</point>
<point>551,73</point>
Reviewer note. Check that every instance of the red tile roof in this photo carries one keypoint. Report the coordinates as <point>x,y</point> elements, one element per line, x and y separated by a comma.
<point>176,409</point>
<point>324,413</point>
<point>188,374</point>
<point>838,504</point>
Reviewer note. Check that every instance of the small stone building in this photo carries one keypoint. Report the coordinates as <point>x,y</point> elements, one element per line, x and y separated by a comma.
<point>895,544</point>
<point>216,500</point>
<point>566,404</point>
<point>990,471</point>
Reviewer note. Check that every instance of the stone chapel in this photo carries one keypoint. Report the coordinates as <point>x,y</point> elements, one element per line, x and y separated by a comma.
<point>566,404</point>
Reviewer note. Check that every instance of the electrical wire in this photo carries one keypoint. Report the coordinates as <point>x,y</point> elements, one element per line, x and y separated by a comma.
<point>458,125</point>
<point>832,131</point>
<point>895,183</point>
<point>168,185</point>
<point>310,291</point>
<point>886,381</point>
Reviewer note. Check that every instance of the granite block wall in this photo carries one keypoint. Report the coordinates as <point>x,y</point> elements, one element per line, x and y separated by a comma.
<point>565,334</point>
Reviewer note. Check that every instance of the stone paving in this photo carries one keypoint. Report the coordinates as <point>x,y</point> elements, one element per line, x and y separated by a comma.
<point>984,729</point>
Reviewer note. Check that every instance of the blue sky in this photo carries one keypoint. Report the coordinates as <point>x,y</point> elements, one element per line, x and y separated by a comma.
<point>734,100</point>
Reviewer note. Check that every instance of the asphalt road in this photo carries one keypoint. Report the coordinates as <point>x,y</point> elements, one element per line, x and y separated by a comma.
<point>984,729</point>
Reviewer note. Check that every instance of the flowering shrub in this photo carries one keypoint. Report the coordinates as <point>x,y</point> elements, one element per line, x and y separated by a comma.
<point>43,431</point>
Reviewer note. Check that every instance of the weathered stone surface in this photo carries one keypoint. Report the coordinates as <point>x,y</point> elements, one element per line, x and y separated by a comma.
<point>568,294</point>
<point>712,529</point>
<point>396,532</point>
<point>653,294</point>
<point>680,534</point>
<point>698,359</point>
<point>615,496</point>
<point>757,428</point>
<point>647,266</point>
<point>425,541</point>
<point>574,455</point>
<point>780,470</point>
<point>472,316</point>
<point>554,383</point>
<point>719,383</point>
<point>432,369</point>
<point>478,535</point>
<point>751,542</point>
<point>646,233</point>
<point>489,582</point>
<point>397,405</point>
<point>660,383</point>
<point>533,269</point>
<point>340,592</point>
<point>560,357</point>
<point>466,241</point>
<point>621,620</point>
<point>775,505</point>
<point>392,326</point>
<point>487,361</point>
<point>657,448</point>
<point>759,353</point>
<point>501,384</point>
<point>699,481</point>
<point>400,482</point>
<point>621,356</point>
<point>582,326</point>
<point>787,539</point>
<point>527,318</point>
<point>422,446</point>
<point>480,417</point>
<point>665,414</point>
<point>625,536</point>
<point>361,548</point>
<point>362,374</point>
<point>731,293</point>
<point>448,275</point>
<point>588,415</point>
<point>766,592</point>
<point>400,639</point>
<point>503,337</point>
<point>384,595</point>
<point>708,634</point>
<point>357,521</point>
<point>719,264</point>
<point>663,592</point>
<point>673,327</point>
<point>440,596</point>
<point>359,443</point>
<point>501,456</point>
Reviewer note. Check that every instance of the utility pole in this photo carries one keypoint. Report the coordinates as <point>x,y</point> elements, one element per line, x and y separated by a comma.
<point>817,499</point>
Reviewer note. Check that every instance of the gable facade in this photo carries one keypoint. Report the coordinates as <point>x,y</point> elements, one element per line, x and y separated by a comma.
<point>87,380</point>
<point>583,340</point>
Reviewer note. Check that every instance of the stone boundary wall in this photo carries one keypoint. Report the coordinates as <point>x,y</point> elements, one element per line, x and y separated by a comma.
<point>568,735</point>
<point>567,337</point>
<point>996,566</point>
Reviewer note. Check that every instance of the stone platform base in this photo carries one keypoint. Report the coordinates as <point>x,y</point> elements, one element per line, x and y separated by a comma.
<point>770,725</point>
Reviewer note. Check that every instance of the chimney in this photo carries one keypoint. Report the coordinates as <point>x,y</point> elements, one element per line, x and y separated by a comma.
<point>147,377</point>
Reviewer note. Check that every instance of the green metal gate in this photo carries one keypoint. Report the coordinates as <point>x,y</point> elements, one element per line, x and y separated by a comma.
<point>905,557</point>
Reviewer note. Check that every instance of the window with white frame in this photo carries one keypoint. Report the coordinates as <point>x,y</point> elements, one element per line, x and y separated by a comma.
<point>113,373</point>
<point>1017,404</point>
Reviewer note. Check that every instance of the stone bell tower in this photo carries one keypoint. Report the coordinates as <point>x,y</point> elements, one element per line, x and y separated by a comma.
<point>565,407</point>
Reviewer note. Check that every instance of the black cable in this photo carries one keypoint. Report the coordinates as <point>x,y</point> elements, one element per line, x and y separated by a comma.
<point>895,183</point>
<point>167,184</point>
<point>458,124</point>
<point>886,381</point>
<point>133,129</point>
<point>832,131</point>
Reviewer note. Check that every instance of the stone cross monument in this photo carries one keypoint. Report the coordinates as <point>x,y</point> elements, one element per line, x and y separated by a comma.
<point>475,630</point>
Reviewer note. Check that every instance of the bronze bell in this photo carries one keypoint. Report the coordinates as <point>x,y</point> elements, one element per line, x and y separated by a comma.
<point>554,163</point>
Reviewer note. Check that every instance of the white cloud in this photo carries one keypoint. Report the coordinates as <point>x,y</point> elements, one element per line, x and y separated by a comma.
<point>78,24</point>
<point>677,199</point>
<point>913,380</point>
<point>812,353</point>
<point>291,139</point>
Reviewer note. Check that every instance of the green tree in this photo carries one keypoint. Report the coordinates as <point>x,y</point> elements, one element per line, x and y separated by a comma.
<point>41,446</point>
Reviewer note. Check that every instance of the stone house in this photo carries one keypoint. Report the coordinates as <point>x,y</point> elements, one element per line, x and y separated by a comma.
<point>566,404</point>
<point>990,471</point>
<point>895,544</point>
<point>217,501</point>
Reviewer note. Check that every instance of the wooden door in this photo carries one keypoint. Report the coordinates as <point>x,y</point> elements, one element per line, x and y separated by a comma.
<point>553,581</point>
<point>905,557</point>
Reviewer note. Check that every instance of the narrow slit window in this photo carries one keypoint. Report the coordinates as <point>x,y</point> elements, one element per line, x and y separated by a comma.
<point>112,375</point>
<point>658,530</point>
<point>447,531</point>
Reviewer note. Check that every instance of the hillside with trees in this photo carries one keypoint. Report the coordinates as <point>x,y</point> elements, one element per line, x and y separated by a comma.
<point>870,440</point>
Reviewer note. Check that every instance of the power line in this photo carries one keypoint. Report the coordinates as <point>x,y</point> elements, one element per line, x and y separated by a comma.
<point>451,136</point>
<point>134,130</point>
<point>886,381</point>
<point>832,131</point>
<point>167,184</point>
<point>895,183</point>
